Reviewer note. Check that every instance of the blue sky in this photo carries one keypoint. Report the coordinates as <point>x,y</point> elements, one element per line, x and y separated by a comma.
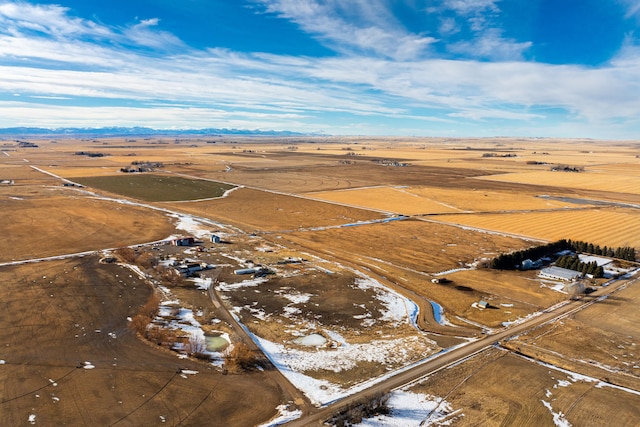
<point>550,68</point>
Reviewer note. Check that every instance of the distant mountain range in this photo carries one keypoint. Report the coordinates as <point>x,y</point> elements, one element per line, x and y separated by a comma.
<point>139,131</point>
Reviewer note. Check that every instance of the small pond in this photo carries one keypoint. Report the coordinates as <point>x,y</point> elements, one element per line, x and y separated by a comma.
<point>216,341</point>
<point>312,340</point>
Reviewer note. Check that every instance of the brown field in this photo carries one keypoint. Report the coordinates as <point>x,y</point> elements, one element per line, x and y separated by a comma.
<point>604,226</point>
<point>611,182</point>
<point>418,200</point>
<point>54,319</point>
<point>498,388</point>
<point>606,333</point>
<point>271,212</point>
<point>49,224</point>
<point>470,199</point>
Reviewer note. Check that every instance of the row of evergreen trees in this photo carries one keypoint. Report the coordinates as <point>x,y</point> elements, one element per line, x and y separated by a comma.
<point>512,260</point>
<point>623,252</point>
<point>572,262</point>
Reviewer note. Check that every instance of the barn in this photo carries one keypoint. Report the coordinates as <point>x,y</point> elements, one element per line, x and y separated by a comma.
<point>558,273</point>
<point>184,241</point>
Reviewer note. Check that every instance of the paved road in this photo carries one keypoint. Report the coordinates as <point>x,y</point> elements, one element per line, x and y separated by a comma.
<point>316,417</point>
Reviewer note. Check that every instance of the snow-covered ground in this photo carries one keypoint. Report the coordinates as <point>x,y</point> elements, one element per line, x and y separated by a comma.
<point>411,409</point>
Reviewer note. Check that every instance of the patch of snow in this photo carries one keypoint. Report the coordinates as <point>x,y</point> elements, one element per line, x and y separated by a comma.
<point>202,284</point>
<point>558,417</point>
<point>506,305</point>
<point>285,416</point>
<point>192,225</point>
<point>313,340</point>
<point>292,362</point>
<point>297,298</point>
<point>226,287</point>
<point>399,309</point>
<point>600,261</point>
<point>411,409</point>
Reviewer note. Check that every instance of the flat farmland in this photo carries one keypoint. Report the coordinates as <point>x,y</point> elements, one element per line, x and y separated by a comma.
<point>40,225</point>
<point>389,199</point>
<point>266,211</point>
<point>583,180</point>
<point>69,358</point>
<point>410,253</point>
<point>156,188</point>
<point>418,200</point>
<point>604,226</point>
<point>606,333</point>
<point>497,388</point>
<point>343,290</point>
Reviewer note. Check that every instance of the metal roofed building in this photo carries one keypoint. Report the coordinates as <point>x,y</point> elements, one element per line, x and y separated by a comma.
<point>559,273</point>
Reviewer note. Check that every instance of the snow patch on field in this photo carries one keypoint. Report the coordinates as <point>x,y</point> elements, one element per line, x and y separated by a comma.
<point>411,409</point>
<point>399,309</point>
<point>285,416</point>
<point>293,362</point>
<point>558,417</point>
<point>202,283</point>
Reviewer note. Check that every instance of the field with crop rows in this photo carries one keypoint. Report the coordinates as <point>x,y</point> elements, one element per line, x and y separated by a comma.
<point>604,226</point>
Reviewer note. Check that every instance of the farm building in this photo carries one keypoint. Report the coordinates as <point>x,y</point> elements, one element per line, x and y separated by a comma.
<point>184,241</point>
<point>215,238</point>
<point>528,264</point>
<point>600,261</point>
<point>558,273</point>
<point>191,268</point>
<point>483,304</point>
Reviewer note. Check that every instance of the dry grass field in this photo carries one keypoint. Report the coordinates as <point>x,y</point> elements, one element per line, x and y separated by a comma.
<point>604,226</point>
<point>606,334</point>
<point>419,200</point>
<point>498,388</point>
<point>334,202</point>
<point>610,182</point>
<point>68,357</point>
<point>271,212</point>
<point>45,223</point>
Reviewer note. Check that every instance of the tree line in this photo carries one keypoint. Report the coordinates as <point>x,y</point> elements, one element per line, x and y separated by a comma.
<point>572,262</point>
<point>513,260</point>
<point>624,252</point>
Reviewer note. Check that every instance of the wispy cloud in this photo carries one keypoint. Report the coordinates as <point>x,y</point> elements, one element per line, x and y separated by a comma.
<point>149,76</point>
<point>350,26</point>
<point>491,45</point>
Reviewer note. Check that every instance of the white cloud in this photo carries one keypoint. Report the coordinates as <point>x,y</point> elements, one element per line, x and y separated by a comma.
<point>491,45</point>
<point>348,25</point>
<point>468,7</point>
<point>230,89</point>
<point>633,7</point>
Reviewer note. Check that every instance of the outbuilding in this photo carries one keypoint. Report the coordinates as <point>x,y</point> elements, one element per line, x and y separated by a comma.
<point>215,238</point>
<point>184,241</point>
<point>559,273</point>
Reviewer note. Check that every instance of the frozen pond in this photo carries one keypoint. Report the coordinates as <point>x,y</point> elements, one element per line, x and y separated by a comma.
<point>438,312</point>
<point>313,340</point>
<point>216,342</point>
